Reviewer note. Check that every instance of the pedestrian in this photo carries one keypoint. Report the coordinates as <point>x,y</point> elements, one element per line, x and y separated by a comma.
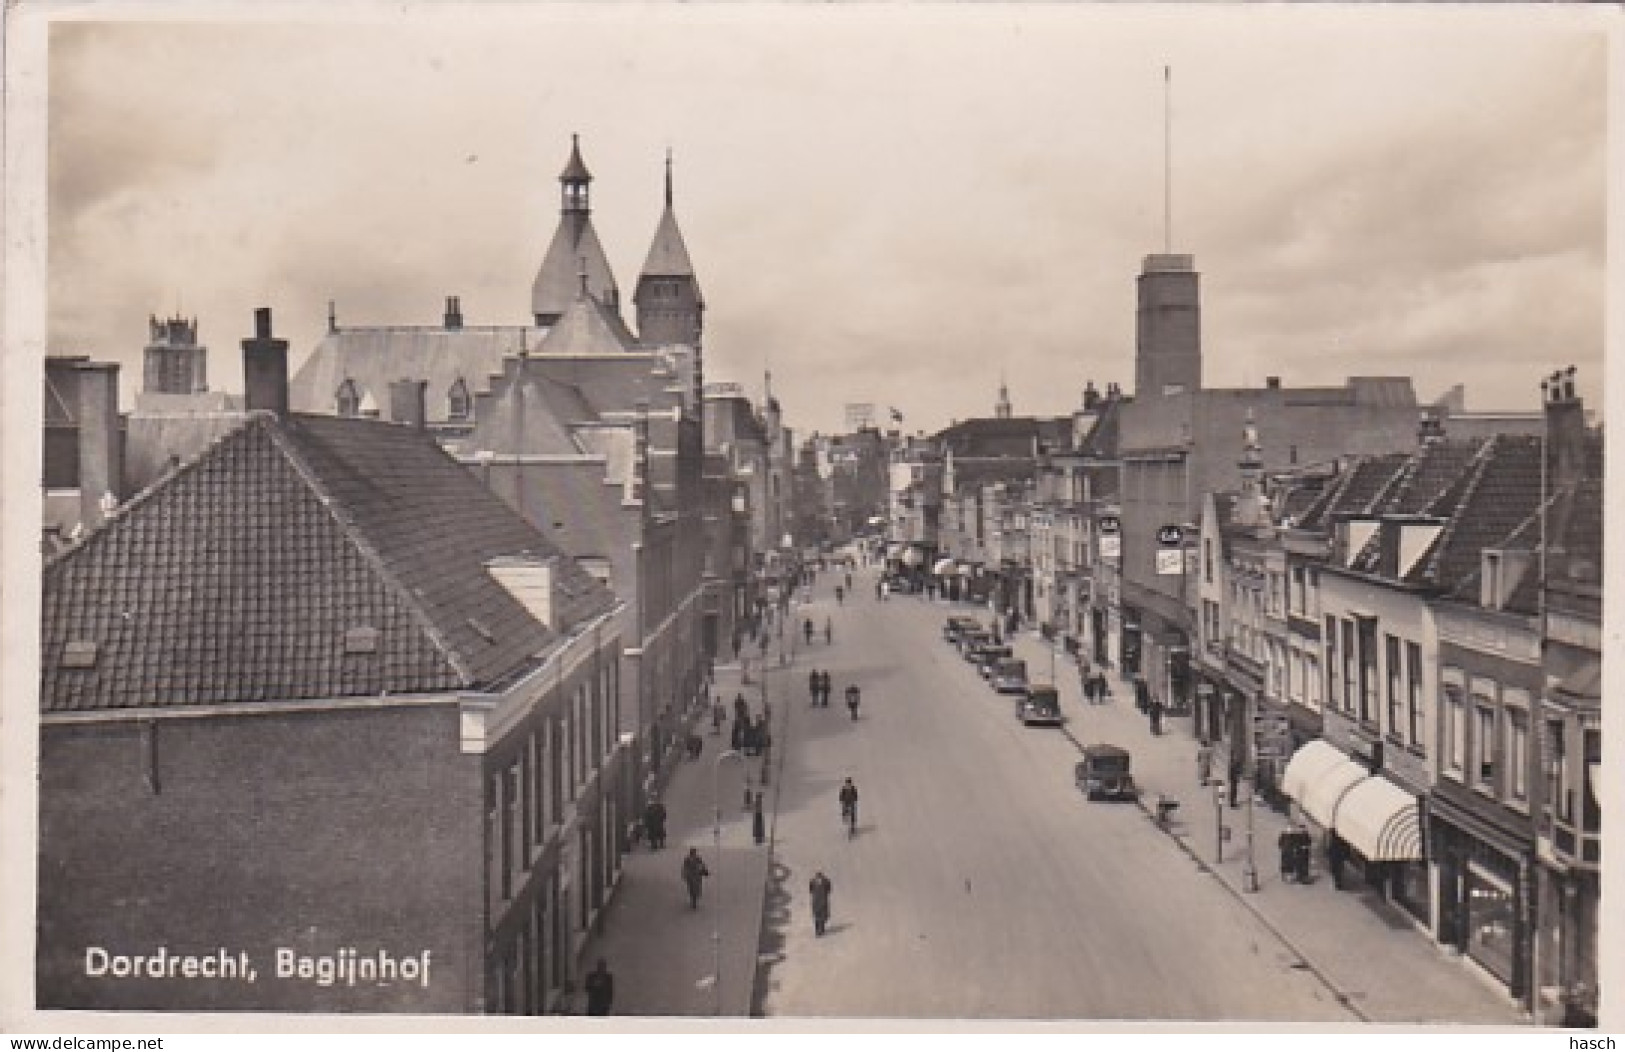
<point>1287,843</point>
<point>758,822</point>
<point>819,888</point>
<point>736,739</point>
<point>1204,762</point>
<point>823,688</point>
<point>741,707</point>
<point>718,714</point>
<point>1103,690</point>
<point>654,824</point>
<point>1235,774</point>
<point>829,631</point>
<point>1337,852</point>
<point>600,988</point>
<point>814,681</point>
<point>1301,845</point>
<point>694,874</point>
<point>1142,694</point>
<point>1154,710</point>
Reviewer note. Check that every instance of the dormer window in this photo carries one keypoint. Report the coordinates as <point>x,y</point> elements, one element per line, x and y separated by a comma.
<point>458,404</point>
<point>348,399</point>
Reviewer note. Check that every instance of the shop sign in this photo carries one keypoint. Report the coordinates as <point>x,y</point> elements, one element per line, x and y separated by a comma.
<point>1170,562</point>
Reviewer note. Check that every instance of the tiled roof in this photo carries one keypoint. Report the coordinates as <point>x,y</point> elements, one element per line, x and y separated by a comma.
<point>1356,490</point>
<point>1435,468</point>
<point>1102,439</point>
<point>375,357</point>
<point>1501,495</point>
<point>241,576</point>
<point>587,327</point>
<point>575,245</point>
<point>668,253</point>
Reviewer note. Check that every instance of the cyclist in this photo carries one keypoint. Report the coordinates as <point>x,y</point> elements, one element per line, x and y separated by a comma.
<point>853,696</point>
<point>849,806</point>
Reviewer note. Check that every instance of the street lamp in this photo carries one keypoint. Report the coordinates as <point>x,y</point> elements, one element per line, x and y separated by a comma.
<point>716,909</point>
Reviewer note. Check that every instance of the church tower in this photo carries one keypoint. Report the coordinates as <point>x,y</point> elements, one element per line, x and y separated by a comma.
<point>669,304</point>
<point>575,250</point>
<point>174,363</point>
<point>1001,408</point>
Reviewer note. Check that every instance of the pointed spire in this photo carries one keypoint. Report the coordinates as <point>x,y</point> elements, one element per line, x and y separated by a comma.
<point>575,170</point>
<point>668,177</point>
<point>332,316</point>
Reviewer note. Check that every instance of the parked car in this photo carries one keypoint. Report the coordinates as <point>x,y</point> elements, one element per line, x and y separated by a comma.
<point>989,656</point>
<point>1103,773</point>
<point>1010,676</point>
<point>955,626</point>
<point>1039,705</point>
<point>972,640</point>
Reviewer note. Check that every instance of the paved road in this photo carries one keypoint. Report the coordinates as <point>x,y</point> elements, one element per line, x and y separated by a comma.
<point>981,884</point>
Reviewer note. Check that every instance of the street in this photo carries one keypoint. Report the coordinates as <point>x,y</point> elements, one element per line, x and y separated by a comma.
<point>981,883</point>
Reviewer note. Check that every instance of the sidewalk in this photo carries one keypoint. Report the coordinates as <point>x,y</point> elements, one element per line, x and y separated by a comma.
<point>1366,950</point>
<point>663,954</point>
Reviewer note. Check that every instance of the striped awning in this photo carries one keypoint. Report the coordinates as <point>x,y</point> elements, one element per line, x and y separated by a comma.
<point>1381,821</point>
<point>1317,776</point>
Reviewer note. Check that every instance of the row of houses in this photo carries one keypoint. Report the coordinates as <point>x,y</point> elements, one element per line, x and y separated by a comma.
<point>1385,615</point>
<point>358,680</point>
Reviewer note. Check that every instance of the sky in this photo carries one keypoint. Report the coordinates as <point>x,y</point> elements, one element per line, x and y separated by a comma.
<point>889,204</point>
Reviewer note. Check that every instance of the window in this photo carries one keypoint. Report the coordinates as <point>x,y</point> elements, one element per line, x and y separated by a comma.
<point>1351,684</point>
<point>555,770</point>
<point>1300,600</point>
<point>1332,694</point>
<point>1557,771</point>
<point>1484,746</point>
<point>1311,680</point>
<point>1517,781</point>
<point>458,404</point>
<point>513,833</point>
<point>1455,730</point>
<point>1207,559</point>
<point>1413,691</point>
<point>1368,670</point>
<point>1394,672</point>
<point>348,399</point>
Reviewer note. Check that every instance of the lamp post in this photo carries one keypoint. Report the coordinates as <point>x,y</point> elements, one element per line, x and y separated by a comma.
<point>716,908</point>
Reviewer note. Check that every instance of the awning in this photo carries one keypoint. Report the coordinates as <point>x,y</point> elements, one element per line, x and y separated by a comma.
<point>1317,776</point>
<point>1381,821</point>
<point>943,566</point>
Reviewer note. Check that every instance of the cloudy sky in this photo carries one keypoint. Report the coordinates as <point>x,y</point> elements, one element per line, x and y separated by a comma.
<point>885,203</point>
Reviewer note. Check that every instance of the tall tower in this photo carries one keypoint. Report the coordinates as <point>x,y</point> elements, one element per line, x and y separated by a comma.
<point>1168,330</point>
<point>174,363</point>
<point>669,304</point>
<point>575,250</point>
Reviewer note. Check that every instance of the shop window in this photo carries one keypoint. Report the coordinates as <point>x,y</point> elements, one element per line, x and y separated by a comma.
<point>1491,917</point>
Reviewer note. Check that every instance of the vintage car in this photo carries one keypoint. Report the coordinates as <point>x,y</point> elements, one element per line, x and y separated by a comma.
<point>1039,705</point>
<point>971,642</point>
<point>1103,773</point>
<point>956,626</point>
<point>989,656</point>
<point>1009,676</point>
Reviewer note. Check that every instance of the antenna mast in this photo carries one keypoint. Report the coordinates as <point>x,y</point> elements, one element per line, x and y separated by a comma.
<point>1167,160</point>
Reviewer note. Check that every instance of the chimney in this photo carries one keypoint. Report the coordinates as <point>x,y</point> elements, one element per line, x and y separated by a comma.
<point>408,403</point>
<point>1091,397</point>
<point>101,467</point>
<point>1565,431</point>
<point>265,367</point>
<point>1272,383</point>
<point>454,312</point>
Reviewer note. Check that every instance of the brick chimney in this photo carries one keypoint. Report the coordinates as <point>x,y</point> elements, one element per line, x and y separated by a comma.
<point>1565,431</point>
<point>101,460</point>
<point>454,312</point>
<point>408,402</point>
<point>265,367</point>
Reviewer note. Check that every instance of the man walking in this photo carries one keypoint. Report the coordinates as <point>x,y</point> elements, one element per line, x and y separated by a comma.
<point>694,874</point>
<point>819,889</point>
<point>654,825</point>
<point>600,988</point>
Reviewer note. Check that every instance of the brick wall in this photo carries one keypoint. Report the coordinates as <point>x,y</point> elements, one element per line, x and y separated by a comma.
<point>311,831</point>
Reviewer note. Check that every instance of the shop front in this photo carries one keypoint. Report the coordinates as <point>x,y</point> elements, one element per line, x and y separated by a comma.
<point>1485,895</point>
